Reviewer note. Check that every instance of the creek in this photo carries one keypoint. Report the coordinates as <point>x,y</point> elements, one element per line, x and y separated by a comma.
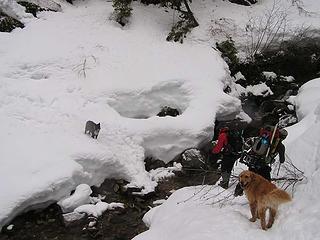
<point>119,224</point>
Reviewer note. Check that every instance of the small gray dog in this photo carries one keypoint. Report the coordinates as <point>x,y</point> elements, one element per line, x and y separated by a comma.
<point>92,129</point>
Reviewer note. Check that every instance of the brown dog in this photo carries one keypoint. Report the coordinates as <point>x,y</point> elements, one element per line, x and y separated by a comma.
<point>262,195</point>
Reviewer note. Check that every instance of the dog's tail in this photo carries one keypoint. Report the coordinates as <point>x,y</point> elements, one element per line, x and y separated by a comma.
<point>277,196</point>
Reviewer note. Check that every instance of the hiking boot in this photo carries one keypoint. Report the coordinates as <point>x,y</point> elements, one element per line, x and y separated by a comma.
<point>225,180</point>
<point>223,185</point>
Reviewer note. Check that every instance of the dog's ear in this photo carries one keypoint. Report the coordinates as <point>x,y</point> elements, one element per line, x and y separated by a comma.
<point>252,176</point>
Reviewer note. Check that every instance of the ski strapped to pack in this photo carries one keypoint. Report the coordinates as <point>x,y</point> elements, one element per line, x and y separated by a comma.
<point>271,141</point>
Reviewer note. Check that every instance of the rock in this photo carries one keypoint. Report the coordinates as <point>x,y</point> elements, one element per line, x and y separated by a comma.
<point>132,190</point>
<point>193,159</point>
<point>10,227</point>
<point>153,164</point>
<point>287,120</point>
<point>73,218</point>
<point>116,188</point>
<point>51,220</point>
<point>168,111</point>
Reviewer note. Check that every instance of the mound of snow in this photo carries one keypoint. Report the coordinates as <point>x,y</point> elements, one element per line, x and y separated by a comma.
<point>196,213</point>
<point>15,10</point>
<point>97,209</point>
<point>304,140</point>
<point>46,4</point>
<point>80,197</point>
<point>69,67</point>
<point>260,89</point>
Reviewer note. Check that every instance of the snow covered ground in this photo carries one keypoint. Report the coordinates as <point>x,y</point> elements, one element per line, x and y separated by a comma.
<point>71,66</point>
<point>196,213</point>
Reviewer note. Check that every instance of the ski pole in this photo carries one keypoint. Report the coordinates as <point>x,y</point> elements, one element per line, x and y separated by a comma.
<point>278,169</point>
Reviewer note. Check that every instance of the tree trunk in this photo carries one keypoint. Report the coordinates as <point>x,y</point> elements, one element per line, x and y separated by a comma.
<point>190,14</point>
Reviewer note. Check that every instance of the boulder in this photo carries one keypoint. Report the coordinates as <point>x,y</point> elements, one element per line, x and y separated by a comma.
<point>193,159</point>
<point>168,111</point>
<point>73,218</point>
<point>153,164</point>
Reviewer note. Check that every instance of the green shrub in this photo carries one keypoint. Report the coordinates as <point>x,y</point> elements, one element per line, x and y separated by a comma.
<point>229,53</point>
<point>122,11</point>
<point>180,30</point>
<point>7,24</point>
<point>31,8</point>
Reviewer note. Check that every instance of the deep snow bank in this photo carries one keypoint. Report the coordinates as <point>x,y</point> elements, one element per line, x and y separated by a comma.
<point>68,67</point>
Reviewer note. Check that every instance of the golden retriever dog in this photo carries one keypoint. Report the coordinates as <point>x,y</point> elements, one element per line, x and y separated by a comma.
<point>262,195</point>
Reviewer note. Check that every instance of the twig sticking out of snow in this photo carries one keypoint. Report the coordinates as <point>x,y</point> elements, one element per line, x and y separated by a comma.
<point>83,67</point>
<point>291,175</point>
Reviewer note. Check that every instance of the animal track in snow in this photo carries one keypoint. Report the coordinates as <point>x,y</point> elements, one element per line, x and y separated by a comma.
<point>40,76</point>
<point>35,72</point>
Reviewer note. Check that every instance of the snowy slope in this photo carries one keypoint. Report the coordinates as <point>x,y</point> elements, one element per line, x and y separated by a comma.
<point>220,19</point>
<point>71,66</point>
<point>195,212</point>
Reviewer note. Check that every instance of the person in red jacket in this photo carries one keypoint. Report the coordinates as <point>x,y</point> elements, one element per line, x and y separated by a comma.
<point>215,156</point>
<point>228,145</point>
<point>222,141</point>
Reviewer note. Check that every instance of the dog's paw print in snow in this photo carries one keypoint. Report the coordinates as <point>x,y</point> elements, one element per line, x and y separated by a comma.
<point>148,103</point>
<point>39,76</point>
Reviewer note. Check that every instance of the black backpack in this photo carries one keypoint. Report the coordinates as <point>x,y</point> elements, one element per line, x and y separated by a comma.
<point>235,143</point>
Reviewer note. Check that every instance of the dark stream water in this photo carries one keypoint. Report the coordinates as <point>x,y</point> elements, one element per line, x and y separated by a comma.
<point>118,224</point>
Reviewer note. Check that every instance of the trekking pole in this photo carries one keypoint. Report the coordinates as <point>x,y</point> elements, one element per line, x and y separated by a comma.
<point>271,141</point>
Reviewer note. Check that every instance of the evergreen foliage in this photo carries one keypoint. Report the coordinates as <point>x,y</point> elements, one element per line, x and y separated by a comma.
<point>180,30</point>
<point>229,53</point>
<point>122,11</point>
<point>7,24</point>
<point>31,8</point>
<point>187,20</point>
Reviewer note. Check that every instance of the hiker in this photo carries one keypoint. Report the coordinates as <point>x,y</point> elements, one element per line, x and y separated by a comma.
<point>229,145</point>
<point>263,152</point>
<point>266,147</point>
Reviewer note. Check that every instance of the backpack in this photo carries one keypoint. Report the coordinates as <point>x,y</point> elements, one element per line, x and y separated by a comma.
<point>235,143</point>
<point>262,143</point>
